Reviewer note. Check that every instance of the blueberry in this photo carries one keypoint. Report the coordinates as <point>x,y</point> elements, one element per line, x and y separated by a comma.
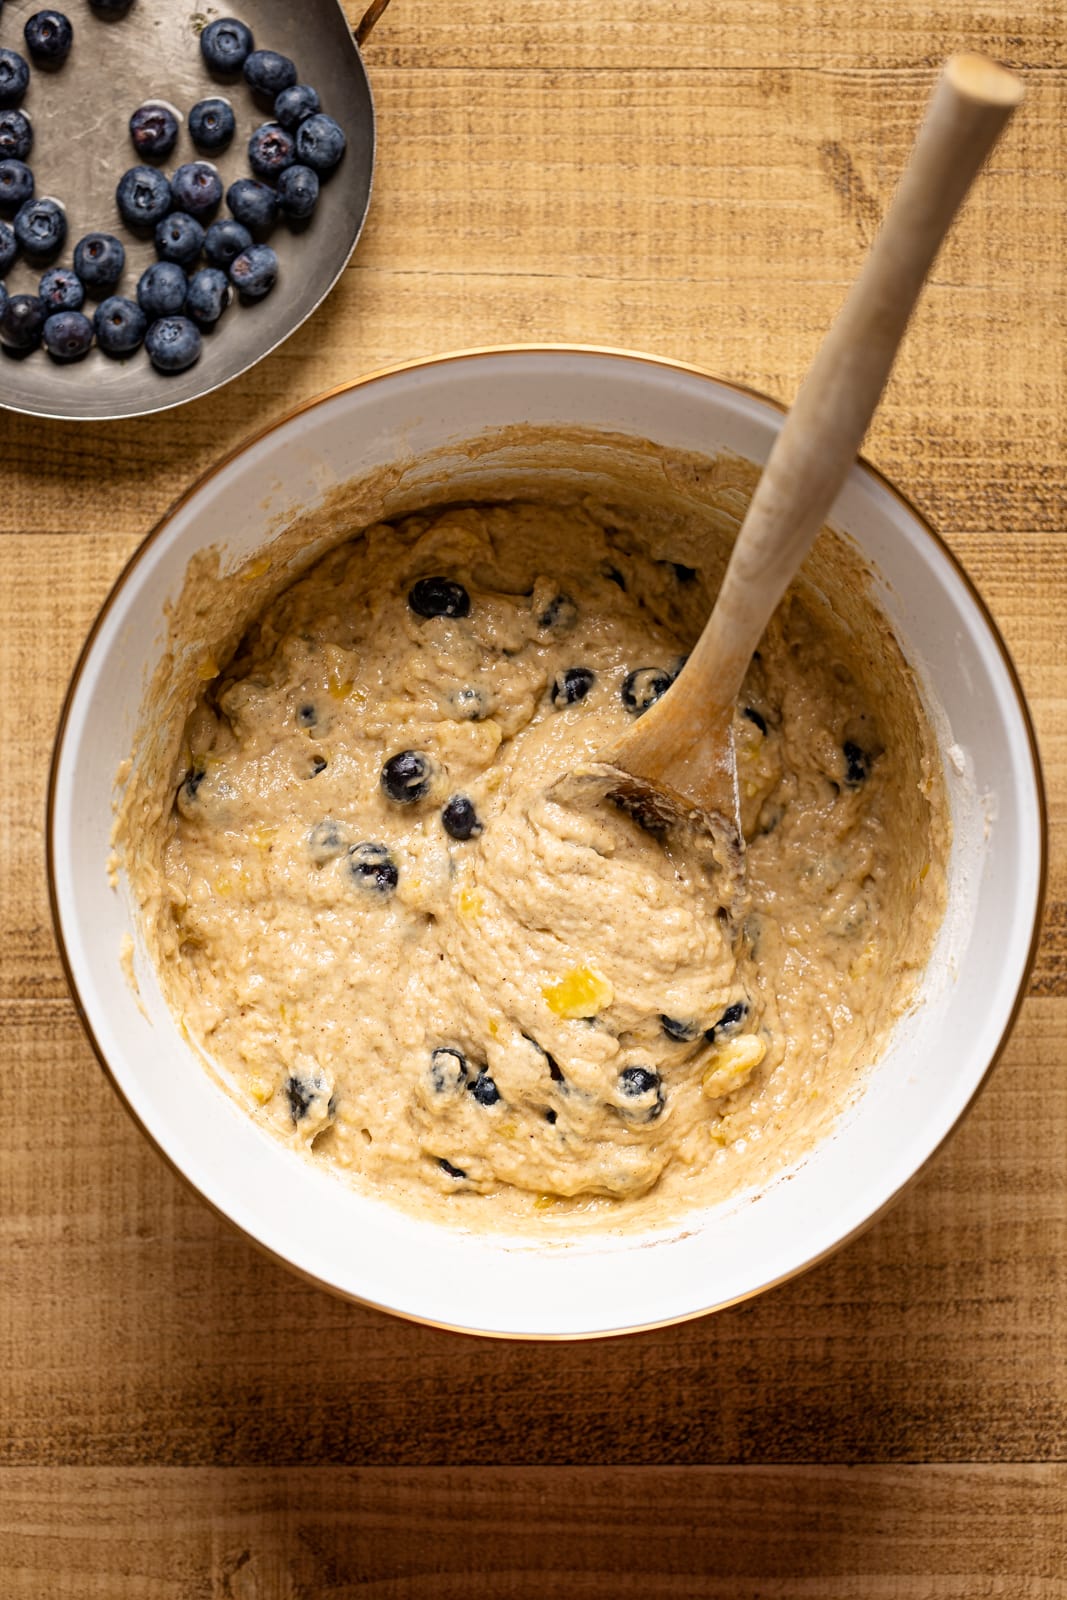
<point>16,184</point>
<point>67,335</point>
<point>372,866</point>
<point>197,188</point>
<point>41,228</point>
<point>14,76</point>
<point>550,1117</point>
<point>439,597</point>
<point>154,130</point>
<point>111,9</point>
<point>560,614</point>
<point>310,1091</point>
<point>8,247</point>
<point>728,1021</point>
<point>469,703</point>
<point>680,1032</point>
<point>254,272</point>
<point>16,135</point>
<point>292,105</point>
<point>642,1083</point>
<point>637,1081</point>
<point>173,343</point>
<point>224,241</point>
<point>320,142</point>
<point>459,818</point>
<point>326,842</point>
<point>298,192</point>
<point>61,290</point>
<point>253,204</point>
<point>267,73</point>
<point>120,326</point>
<point>857,764</point>
<point>484,1089</point>
<point>448,1070</point>
<point>99,260</point>
<point>307,716</point>
<point>207,296</point>
<point>143,197</point>
<point>446,1166</point>
<point>3,299</point>
<point>161,290</point>
<point>179,238</point>
<point>226,45</point>
<point>212,124</point>
<point>406,777</point>
<point>270,150</point>
<point>572,685</point>
<point>21,322</point>
<point>755,718</point>
<point>554,1070</point>
<point>643,688</point>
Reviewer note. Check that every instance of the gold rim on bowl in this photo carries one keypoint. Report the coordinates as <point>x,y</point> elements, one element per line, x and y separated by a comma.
<point>450,358</point>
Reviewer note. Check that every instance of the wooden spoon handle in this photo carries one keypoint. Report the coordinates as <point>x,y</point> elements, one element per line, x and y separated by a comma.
<point>822,433</point>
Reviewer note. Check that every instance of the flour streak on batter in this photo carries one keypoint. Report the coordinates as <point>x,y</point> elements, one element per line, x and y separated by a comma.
<point>416,964</point>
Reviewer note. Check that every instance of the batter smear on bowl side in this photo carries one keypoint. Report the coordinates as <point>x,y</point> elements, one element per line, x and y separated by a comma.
<point>411,961</point>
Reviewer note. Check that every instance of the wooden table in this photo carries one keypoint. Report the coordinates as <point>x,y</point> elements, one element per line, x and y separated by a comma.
<point>181,1418</point>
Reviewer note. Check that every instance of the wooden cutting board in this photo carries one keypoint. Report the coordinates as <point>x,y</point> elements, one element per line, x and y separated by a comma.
<point>180,1416</point>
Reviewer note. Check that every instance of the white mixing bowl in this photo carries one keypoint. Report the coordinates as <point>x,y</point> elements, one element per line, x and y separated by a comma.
<point>938,1055</point>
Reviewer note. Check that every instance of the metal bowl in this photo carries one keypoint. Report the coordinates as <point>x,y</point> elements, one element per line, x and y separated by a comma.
<point>82,147</point>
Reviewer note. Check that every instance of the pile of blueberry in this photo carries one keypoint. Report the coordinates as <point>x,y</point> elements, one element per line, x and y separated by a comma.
<point>177,298</point>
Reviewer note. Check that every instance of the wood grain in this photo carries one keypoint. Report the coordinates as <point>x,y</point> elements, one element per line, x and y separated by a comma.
<point>139,1328</point>
<point>962,1533</point>
<point>181,1417</point>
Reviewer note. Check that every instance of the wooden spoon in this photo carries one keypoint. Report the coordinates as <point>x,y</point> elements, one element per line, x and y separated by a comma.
<point>677,764</point>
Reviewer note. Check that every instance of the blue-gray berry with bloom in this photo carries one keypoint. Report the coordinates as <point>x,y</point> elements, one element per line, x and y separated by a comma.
<point>267,73</point>
<point>300,100</point>
<point>67,335</point>
<point>16,185</point>
<point>143,197</point>
<point>320,142</point>
<point>21,322</point>
<point>270,150</point>
<point>197,188</point>
<point>254,272</point>
<point>179,238</point>
<point>99,260</point>
<point>212,124</point>
<point>226,45</point>
<point>254,204</point>
<point>298,193</point>
<point>154,130</point>
<point>41,229</point>
<point>161,290</point>
<point>61,289</point>
<point>120,326</point>
<point>14,77</point>
<point>48,36</point>
<point>224,241</point>
<point>173,344</point>
<point>16,135</point>
<point>207,296</point>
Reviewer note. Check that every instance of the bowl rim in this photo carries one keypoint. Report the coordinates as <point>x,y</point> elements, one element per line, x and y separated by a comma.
<point>451,358</point>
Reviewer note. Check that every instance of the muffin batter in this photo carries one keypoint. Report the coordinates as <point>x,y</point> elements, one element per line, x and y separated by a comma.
<point>413,960</point>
